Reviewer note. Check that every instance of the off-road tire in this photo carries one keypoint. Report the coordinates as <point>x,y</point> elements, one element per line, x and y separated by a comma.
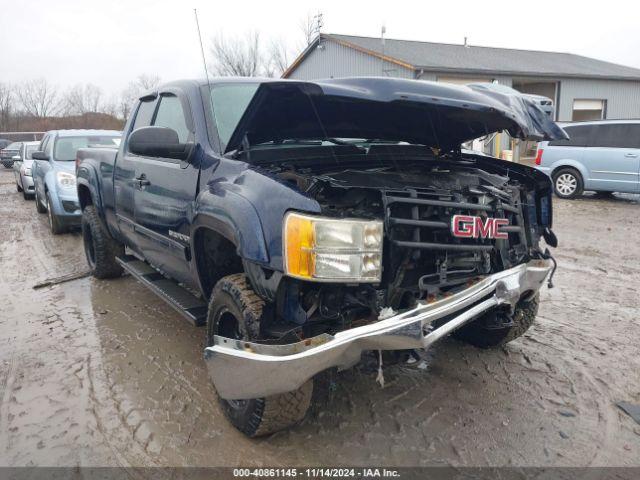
<point>568,172</point>
<point>54,222</point>
<point>478,334</point>
<point>233,297</point>
<point>101,249</point>
<point>39,207</point>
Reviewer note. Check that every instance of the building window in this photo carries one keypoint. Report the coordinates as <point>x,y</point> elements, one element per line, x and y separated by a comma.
<point>589,110</point>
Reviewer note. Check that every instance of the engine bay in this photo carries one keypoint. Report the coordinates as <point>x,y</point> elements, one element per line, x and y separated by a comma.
<point>423,258</point>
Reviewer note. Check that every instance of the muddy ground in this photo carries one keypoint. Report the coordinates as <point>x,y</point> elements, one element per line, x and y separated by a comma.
<point>105,373</point>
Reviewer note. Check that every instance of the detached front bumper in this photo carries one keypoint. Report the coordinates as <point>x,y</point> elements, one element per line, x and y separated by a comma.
<point>241,370</point>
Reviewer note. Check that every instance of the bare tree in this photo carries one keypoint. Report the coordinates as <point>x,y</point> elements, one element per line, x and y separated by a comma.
<point>239,56</point>
<point>81,99</point>
<point>147,82</point>
<point>38,98</point>
<point>278,58</point>
<point>6,105</point>
<point>309,29</point>
<point>133,91</point>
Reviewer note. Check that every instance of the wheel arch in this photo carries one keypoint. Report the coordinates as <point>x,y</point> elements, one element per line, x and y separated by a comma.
<point>215,255</point>
<point>568,163</point>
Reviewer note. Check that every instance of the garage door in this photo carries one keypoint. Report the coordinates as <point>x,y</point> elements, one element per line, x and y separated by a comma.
<point>591,109</point>
<point>464,80</point>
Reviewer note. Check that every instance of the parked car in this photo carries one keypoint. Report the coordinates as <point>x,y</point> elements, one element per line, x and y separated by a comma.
<point>54,177</point>
<point>4,143</point>
<point>603,156</point>
<point>22,169</point>
<point>8,153</point>
<point>318,220</point>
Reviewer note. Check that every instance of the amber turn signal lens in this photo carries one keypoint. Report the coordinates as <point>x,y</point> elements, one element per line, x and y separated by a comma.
<point>298,234</point>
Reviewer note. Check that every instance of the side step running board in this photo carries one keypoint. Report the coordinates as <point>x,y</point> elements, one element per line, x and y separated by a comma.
<point>191,307</point>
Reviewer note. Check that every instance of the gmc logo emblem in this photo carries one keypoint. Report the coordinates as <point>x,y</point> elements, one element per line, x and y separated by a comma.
<point>466,226</point>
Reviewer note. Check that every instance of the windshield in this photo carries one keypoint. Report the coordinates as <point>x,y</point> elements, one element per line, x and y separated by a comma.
<point>14,146</point>
<point>66,147</point>
<point>29,151</point>
<point>229,103</point>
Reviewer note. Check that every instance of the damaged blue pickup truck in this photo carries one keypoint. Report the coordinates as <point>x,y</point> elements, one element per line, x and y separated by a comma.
<point>309,223</point>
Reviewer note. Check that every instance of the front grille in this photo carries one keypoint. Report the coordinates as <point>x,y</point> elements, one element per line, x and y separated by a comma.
<point>421,220</point>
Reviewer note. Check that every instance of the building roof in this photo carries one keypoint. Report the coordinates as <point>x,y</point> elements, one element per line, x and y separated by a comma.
<point>444,57</point>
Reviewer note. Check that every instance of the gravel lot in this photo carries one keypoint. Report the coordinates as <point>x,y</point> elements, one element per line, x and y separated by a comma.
<point>105,373</point>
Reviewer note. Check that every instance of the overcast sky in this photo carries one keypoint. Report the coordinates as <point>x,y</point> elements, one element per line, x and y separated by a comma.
<point>108,43</point>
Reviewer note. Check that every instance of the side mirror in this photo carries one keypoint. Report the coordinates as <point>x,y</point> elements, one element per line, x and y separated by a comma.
<point>159,142</point>
<point>39,155</point>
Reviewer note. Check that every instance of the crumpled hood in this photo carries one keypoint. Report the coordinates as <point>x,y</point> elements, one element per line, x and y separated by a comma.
<point>438,115</point>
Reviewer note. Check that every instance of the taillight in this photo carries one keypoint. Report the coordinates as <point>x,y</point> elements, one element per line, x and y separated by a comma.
<point>539,156</point>
<point>78,163</point>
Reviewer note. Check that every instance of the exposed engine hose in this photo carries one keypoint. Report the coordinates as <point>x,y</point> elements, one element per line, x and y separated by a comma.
<point>547,256</point>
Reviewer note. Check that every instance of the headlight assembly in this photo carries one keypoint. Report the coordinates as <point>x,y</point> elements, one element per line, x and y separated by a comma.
<point>66,180</point>
<point>332,250</point>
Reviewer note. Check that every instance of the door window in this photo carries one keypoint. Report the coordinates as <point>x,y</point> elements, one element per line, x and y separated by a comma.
<point>578,136</point>
<point>613,136</point>
<point>43,144</point>
<point>171,115</point>
<point>144,114</point>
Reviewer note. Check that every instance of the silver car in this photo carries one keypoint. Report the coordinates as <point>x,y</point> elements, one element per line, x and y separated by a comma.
<point>603,156</point>
<point>22,163</point>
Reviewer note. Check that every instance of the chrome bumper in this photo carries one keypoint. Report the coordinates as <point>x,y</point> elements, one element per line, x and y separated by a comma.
<point>242,370</point>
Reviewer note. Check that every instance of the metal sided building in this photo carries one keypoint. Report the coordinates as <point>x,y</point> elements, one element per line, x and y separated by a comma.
<point>581,88</point>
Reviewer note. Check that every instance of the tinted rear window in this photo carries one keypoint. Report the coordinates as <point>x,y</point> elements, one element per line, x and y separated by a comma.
<point>621,135</point>
<point>578,136</point>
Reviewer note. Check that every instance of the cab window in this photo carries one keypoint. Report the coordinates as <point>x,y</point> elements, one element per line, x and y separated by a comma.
<point>144,115</point>
<point>171,115</point>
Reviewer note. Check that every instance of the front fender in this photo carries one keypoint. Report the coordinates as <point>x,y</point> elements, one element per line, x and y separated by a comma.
<point>249,211</point>
<point>86,177</point>
<point>234,217</point>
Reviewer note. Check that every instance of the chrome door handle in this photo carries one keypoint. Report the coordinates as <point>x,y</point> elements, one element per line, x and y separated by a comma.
<point>630,155</point>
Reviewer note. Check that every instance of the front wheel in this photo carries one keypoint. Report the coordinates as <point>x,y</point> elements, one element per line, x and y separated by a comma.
<point>567,183</point>
<point>235,311</point>
<point>54,222</point>
<point>498,327</point>
<point>100,248</point>
<point>39,207</point>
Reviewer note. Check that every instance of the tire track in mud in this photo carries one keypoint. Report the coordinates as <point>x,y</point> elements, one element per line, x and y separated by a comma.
<point>110,375</point>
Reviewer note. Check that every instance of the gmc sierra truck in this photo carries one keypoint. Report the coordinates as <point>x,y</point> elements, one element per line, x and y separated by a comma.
<point>305,223</point>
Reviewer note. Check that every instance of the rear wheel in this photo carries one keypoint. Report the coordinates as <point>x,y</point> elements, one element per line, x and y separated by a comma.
<point>100,248</point>
<point>18,187</point>
<point>489,330</point>
<point>567,183</point>
<point>235,311</point>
